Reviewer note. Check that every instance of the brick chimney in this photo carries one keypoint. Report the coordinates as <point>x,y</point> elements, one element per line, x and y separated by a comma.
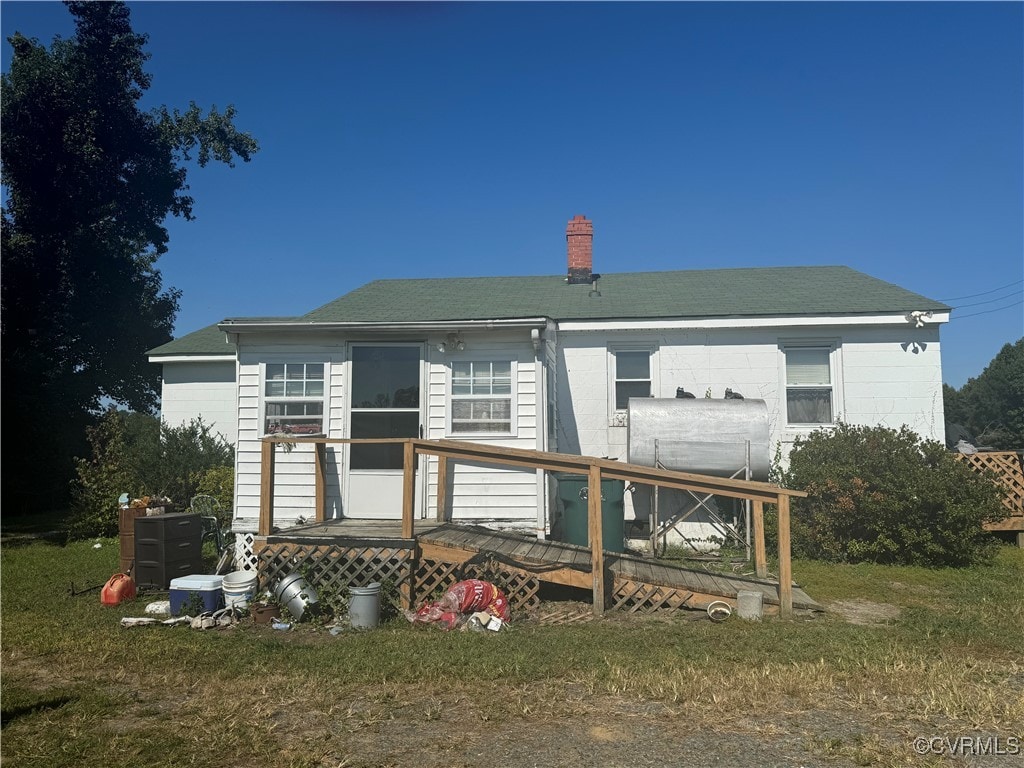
<point>579,237</point>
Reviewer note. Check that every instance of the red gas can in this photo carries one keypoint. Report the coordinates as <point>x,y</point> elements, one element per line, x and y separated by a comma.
<point>118,589</point>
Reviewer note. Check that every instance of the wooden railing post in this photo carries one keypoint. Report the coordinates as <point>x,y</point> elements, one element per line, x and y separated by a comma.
<point>596,537</point>
<point>760,558</point>
<point>408,488</point>
<point>442,488</point>
<point>266,523</point>
<point>320,472</point>
<point>785,565</point>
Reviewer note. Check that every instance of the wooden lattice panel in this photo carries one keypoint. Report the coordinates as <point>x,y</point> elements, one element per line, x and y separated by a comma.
<point>1009,474</point>
<point>433,577</point>
<point>335,567</point>
<point>636,596</point>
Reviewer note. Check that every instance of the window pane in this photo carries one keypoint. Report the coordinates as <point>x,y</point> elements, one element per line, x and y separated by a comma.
<point>314,370</point>
<point>383,424</point>
<point>807,366</point>
<point>315,388</point>
<point>275,371</point>
<point>295,371</point>
<point>294,418</point>
<point>385,377</point>
<point>632,365</point>
<point>627,389</point>
<point>809,406</point>
<point>295,389</point>
<point>274,388</point>
<point>482,415</point>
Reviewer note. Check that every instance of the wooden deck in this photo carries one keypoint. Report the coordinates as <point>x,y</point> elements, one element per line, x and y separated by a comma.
<point>439,550</point>
<point>627,591</point>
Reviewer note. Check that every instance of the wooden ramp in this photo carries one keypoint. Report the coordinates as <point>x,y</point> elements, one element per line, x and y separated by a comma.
<point>634,583</point>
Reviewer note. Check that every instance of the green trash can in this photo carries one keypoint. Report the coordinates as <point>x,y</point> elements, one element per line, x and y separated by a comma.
<point>572,492</point>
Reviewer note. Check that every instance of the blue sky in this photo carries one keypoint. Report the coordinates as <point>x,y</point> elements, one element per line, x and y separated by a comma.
<point>422,140</point>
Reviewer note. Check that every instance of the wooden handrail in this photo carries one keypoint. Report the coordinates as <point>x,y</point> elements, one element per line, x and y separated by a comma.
<point>594,469</point>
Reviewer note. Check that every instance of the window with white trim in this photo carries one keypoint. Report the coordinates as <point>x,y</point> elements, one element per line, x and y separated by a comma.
<point>481,397</point>
<point>293,398</point>
<point>632,375</point>
<point>809,387</point>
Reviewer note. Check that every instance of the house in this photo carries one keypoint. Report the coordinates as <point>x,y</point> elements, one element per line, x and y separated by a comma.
<point>545,363</point>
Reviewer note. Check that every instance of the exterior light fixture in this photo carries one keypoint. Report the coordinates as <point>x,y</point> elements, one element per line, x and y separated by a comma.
<point>453,343</point>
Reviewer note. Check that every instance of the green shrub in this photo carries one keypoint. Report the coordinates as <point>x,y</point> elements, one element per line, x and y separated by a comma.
<point>134,453</point>
<point>885,496</point>
<point>219,482</point>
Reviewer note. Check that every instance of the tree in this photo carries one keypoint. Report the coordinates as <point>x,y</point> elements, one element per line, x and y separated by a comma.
<point>991,406</point>
<point>90,179</point>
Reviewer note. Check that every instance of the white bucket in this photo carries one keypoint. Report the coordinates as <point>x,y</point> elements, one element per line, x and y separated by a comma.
<point>239,588</point>
<point>364,606</point>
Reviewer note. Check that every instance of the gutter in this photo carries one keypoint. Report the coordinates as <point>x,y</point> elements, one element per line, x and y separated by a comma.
<point>246,326</point>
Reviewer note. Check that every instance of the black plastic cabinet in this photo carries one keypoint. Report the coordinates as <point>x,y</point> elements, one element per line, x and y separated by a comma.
<point>166,547</point>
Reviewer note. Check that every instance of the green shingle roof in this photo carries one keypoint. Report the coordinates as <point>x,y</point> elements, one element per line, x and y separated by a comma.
<point>632,295</point>
<point>206,341</point>
<point>753,292</point>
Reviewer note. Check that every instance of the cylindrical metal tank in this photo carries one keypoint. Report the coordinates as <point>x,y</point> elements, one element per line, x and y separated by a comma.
<point>700,435</point>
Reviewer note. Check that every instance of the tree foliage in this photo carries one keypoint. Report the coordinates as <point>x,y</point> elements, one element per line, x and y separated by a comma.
<point>885,496</point>
<point>134,453</point>
<point>90,179</point>
<point>991,406</point>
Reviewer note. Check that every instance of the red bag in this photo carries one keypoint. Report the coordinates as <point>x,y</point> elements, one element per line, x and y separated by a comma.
<point>119,588</point>
<point>462,599</point>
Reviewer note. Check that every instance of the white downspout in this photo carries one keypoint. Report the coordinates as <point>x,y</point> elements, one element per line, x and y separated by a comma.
<point>540,404</point>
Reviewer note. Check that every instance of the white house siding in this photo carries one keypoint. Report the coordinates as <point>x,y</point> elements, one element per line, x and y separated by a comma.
<point>204,389</point>
<point>487,494</point>
<point>886,375</point>
<point>294,477</point>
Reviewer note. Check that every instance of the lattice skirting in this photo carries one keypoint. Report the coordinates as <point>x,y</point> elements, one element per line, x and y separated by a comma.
<point>636,596</point>
<point>338,567</point>
<point>335,567</point>
<point>245,557</point>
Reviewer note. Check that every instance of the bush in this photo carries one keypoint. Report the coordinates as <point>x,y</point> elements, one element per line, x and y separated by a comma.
<point>885,496</point>
<point>134,453</point>
<point>219,482</point>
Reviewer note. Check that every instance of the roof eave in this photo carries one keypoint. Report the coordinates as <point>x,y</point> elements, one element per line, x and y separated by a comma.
<point>232,327</point>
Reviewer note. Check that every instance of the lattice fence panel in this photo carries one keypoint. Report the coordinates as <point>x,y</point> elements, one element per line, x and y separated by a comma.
<point>1009,473</point>
<point>335,567</point>
<point>245,556</point>
<point>636,596</point>
<point>433,577</point>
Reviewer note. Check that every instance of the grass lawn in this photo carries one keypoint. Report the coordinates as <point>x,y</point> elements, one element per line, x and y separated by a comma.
<point>929,652</point>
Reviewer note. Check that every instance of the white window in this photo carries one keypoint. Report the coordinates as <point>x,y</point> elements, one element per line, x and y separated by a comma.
<point>293,399</point>
<point>810,393</point>
<point>632,375</point>
<point>481,397</point>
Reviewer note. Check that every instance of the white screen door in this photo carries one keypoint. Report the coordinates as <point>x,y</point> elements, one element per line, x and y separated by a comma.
<point>384,401</point>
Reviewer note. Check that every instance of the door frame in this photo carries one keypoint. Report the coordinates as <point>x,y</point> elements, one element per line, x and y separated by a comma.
<point>419,504</point>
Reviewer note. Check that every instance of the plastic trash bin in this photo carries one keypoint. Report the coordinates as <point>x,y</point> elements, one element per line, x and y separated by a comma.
<point>572,492</point>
